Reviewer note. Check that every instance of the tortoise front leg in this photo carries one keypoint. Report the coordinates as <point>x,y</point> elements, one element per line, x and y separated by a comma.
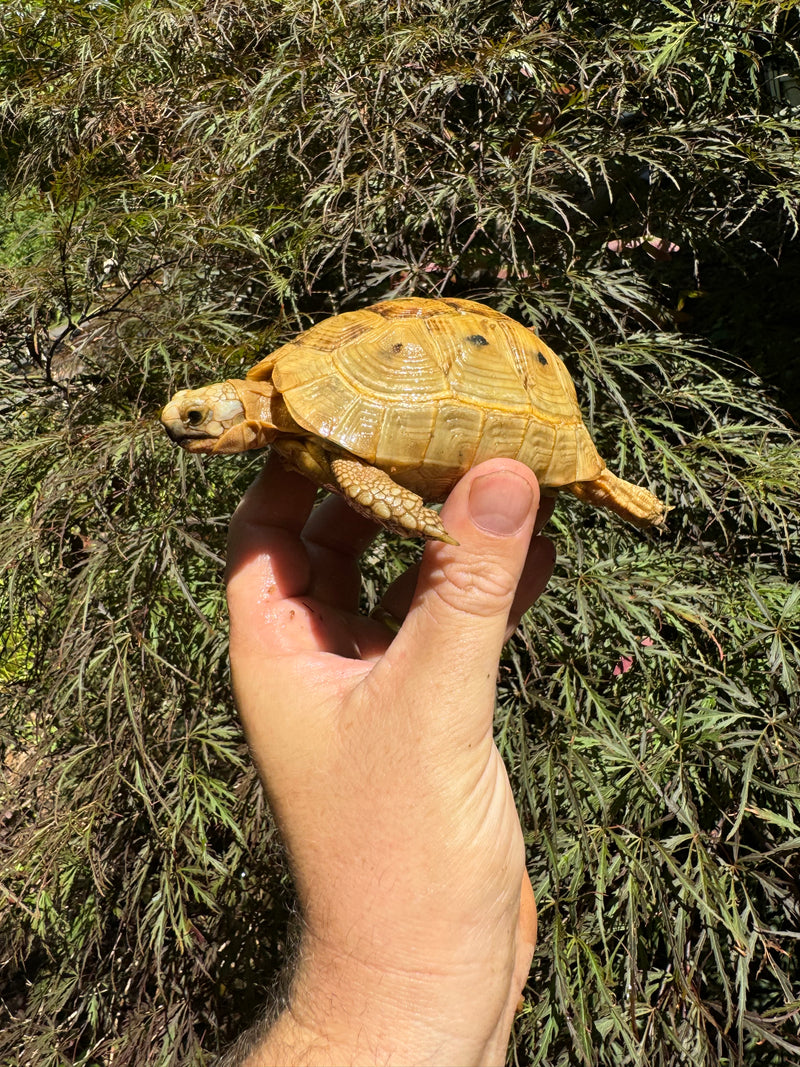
<point>367,489</point>
<point>372,492</point>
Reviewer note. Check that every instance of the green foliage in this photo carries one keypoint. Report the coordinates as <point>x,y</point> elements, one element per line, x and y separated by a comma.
<point>185,184</point>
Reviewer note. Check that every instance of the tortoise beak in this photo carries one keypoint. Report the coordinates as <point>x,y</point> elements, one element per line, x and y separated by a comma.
<point>193,439</point>
<point>173,423</point>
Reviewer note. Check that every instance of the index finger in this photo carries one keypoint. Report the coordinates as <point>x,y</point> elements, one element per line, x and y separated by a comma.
<point>266,557</point>
<point>289,592</point>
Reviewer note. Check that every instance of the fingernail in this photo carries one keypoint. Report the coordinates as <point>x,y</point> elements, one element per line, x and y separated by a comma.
<point>500,503</point>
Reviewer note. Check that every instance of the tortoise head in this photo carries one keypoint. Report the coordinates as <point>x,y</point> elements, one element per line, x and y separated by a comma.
<point>220,417</point>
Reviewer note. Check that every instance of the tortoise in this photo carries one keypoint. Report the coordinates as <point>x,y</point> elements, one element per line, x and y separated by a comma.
<point>389,406</point>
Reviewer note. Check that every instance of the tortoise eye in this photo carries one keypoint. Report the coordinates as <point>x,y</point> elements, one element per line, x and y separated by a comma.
<point>194,417</point>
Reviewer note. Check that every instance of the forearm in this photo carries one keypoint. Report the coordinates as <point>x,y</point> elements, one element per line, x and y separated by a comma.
<point>344,1013</point>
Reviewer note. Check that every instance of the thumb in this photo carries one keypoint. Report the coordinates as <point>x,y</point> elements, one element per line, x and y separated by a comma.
<point>455,628</point>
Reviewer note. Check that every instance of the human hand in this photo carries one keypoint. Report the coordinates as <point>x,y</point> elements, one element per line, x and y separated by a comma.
<point>377,755</point>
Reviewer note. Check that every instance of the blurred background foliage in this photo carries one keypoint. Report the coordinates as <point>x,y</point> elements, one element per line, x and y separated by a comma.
<point>185,183</point>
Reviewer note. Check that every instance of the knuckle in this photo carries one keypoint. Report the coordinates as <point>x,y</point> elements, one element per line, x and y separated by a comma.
<point>480,586</point>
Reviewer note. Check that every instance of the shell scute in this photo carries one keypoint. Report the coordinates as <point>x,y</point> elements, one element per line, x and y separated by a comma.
<point>326,398</point>
<point>298,367</point>
<point>472,307</point>
<point>395,362</point>
<point>409,308</point>
<point>454,441</point>
<point>479,372</point>
<point>404,435</point>
<point>502,434</point>
<point>331,334</point>
<point>359,428</point>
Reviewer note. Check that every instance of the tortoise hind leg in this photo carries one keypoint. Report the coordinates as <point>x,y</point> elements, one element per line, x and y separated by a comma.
<point>631,502</point>
<point>373,492</point>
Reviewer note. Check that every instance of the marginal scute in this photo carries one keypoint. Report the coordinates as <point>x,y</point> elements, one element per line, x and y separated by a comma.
<point>404,435</point>
<point>280,415</point>
<point>359,427</point>
<point>502,435</point>
<point>589,465</point>
<point>262,371</point>
<point>537,448</point>
<point>573,458</point>
<point>454,441</point>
